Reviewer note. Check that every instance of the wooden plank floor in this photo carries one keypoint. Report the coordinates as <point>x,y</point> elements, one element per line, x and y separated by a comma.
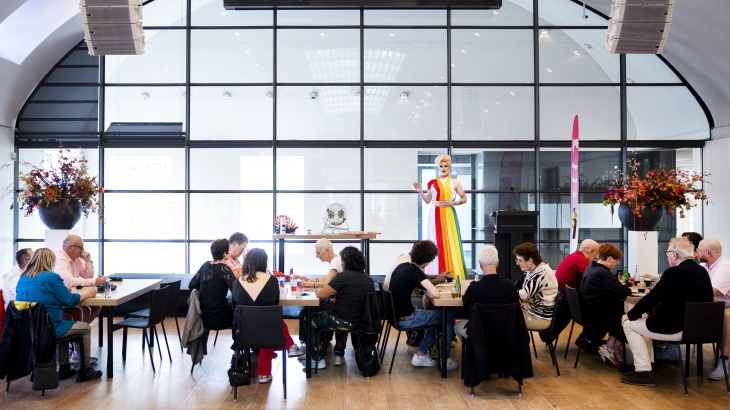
<point>592,386</point>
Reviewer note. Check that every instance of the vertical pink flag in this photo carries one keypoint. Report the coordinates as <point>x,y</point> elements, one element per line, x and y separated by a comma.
<point>574,187</point>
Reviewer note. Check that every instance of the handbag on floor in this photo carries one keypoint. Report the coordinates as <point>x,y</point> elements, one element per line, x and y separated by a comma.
<point>239,376</point>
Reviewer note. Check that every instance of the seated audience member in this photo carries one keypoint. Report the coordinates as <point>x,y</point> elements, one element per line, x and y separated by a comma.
<point>325,252</point>
<point>10,279</point>
<point>407,276</point>
<point>695,239</point>
<point>349,288</point>
<point>213,280</point>
<point>255,287</point>
<point>492,289</point>
<point>236,247</point>
<point>683,282</point>
<point>718,267</point>
<point>40,284</point>
<point>75,267</point>
<point>601,296</point>
<point>538,288</point>
<point>406,258</point>
<point>570,272</point>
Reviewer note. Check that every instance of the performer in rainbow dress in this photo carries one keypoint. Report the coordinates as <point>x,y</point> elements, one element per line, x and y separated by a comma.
<point>443,225</point>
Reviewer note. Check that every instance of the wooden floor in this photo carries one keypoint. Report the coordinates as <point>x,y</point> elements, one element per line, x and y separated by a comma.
<point>135,386</point>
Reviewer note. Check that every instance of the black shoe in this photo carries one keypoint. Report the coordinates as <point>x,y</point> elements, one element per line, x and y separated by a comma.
<point>89,374</point>
<point>629,368</point>
<point>66,371</point>
<point>639,379</point>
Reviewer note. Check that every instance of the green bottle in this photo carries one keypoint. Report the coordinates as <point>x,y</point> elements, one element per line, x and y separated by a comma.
<point>458,285</point>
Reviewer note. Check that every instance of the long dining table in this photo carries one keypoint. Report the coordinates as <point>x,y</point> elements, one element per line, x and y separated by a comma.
<point>308,300</point>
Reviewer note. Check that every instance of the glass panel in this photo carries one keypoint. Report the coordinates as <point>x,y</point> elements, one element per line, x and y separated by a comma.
<point>498,169</point>
<point>219,215</point>
<point>246,113</point>
<point>148,257</point>
<point>200,253</point>
<point>492,56</point>
<point>512,13</point>
<point>566,13</point>
<point>144,216</point>
<point>62,93</point>
<point>399,168</point>
<point>493,113</point>
<point>318,56</point>
<point>405,17</point>
<point>231,56</point>
<point>318,169</point>
<point>665,113</point>
<point>576,56</point>
<point>483,205</point>
<point>387,253</point>
<point>31,227</point>
<point>648,68</point>
<point>302,258</point>
<point>163,60</point>
<point>333,115</point>
<point>396,216</point>
<point>598,110</point>
<point>595,220</point>
<point>318,18</point>
<point>63,109</point>
<point>160,13</point>
<point>146,169</point>
<point>212,13</point>
<point>145,105</point>
<point>243,168</point>
<point>73,75</point>
<point>308,210</point>
<point>419,115</point>
<point>593,165</point>
<point>405,56</point>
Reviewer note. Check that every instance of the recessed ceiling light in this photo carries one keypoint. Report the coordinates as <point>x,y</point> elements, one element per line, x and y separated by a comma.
<point>226,96</point>
<point>183,96</point>
<point>321,34</point>
<point>630,81</point>
<point>549,70</point>
<point>269,95</point>
<point>453,65</point>
<point>247,51</point>
<point>357,96</point>
<point>237,34</point>
<point>145,96</point>
<point>392,35</point>
<point>544,32</point>
<point>463,51</point>
<point>485,110</point>
<point>224,13</point>
<point>496,12</point>
<point>512,92</point>
<point>404,95</point>
<point>498,103</point>
<point>477,34</point>
<point>576,52</point>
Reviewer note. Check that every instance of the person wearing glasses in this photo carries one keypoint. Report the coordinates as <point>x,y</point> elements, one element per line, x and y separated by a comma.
<point>537,288</point>
<point>76,268</point>
<point>684,281</point>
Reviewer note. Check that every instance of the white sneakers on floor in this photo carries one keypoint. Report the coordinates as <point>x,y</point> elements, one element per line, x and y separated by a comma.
<point>423,361</point>
<point>718,373</point>
<point>339,360</point>
<point>319,365</point>
<point>451,364</point>
<point>296,351</point>
<point>264,379</point>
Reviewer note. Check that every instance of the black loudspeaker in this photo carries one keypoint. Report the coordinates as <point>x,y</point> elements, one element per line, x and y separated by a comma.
<point>512,228</point>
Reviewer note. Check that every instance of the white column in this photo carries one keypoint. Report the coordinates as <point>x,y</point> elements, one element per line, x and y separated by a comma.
<point>643,251</point>
<point>55,237</point>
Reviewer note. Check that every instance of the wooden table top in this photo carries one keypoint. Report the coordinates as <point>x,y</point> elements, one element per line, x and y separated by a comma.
<point>127,289</point>
<point>310,299</point>
<point>447,301</point>
<point>320,236</point>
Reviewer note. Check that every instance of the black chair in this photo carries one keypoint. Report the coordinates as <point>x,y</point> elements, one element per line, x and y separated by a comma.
<point>393,322</point>
<point>172,301</point>
<point>158,307</point>
<point>260,327</point>
<point>218,330</point>
<point>552,344</point>
<point>702,324</point>
<point>574,305</point>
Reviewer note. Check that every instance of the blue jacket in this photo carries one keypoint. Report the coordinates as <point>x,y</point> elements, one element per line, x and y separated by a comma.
<point>48,288</point>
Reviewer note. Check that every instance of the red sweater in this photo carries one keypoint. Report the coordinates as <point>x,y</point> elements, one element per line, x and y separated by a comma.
<point>570,271</point>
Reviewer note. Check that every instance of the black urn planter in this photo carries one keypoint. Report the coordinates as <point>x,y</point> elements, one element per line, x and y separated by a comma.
<point>60,215</point>
<point>647,222</point>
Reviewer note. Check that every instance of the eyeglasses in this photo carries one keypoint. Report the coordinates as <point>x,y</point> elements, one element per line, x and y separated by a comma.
<point>519,260</point>
<point>77,246</point>
<point>667,252</point>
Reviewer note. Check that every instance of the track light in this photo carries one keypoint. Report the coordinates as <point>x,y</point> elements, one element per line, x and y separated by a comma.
<point>226,96</point>
<point>145,96</point>
<point>269,95</point>
<point>313,95</point>
<point>404,96</point>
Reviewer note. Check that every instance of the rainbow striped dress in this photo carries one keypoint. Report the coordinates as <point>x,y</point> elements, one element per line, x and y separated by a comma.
<point>443,230</point>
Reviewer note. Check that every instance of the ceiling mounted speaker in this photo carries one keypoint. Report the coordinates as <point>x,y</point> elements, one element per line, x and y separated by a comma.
<point>109,3</point>
<point>639,26</point>
<point>115,47</point>
<point>113,27</point>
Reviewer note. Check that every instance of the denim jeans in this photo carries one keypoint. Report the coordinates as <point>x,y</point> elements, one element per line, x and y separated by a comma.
<point>433,318</point>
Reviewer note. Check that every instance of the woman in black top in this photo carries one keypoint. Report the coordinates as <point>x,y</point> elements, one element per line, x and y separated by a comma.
<point>213,280</point>
<point>255,287</point>
<point>351,286</point>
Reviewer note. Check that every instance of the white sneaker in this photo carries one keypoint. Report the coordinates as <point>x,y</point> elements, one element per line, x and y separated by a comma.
<point>264,379</point>
<point>339,360</point>
<point>451,364</point>
<point>296,351</point>
<point>318,365</point>
<point>718,373</point>
<point>423,361</point>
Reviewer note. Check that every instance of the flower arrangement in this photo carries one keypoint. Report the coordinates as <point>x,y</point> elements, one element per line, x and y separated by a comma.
<point>673,190</point>
<point>66,182</point>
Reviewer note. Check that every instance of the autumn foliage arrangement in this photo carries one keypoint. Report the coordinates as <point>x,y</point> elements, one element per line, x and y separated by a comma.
<point>66,181</point>
<point>674,190</point>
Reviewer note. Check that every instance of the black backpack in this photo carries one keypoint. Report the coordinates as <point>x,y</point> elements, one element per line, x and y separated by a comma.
<point>366,346</point>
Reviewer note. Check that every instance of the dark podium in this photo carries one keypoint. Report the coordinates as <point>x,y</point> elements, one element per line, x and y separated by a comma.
<point>512,228</point>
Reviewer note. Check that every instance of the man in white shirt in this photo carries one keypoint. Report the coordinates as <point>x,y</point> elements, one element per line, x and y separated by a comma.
<point>718,266</point>
<point>10,279</point>
<point>325,252</point>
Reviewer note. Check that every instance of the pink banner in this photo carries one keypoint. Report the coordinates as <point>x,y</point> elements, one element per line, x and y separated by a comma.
<point>574,188</point>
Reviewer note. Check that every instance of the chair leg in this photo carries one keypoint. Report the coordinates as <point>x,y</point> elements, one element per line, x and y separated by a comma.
<point>519,388</point>
<point>686,366</point>
<point>534,349</point>
<point>283,362</point>
<point>395,349</point>
<point>164,334</point>
<point>154,328</point>
<point>43,394</point>
<point>152,356</point>
<point>567,345</point>
<point>177,325</point>
<point>724,370</point>
<point>124,344</point>
<point>580,347</point>
<point>681,369</point>
<point>472,392</point>
<point>216,338</point>
<point>384,345</point>
<point>555,359</point>
<point>7,388</point>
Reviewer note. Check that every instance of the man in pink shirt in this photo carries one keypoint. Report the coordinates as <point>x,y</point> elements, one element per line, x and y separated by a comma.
<point>75,267</point>
<point>710,254</point>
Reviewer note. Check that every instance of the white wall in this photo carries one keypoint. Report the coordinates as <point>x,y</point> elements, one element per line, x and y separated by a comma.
<point>6,215</point>
<point>717,220</point>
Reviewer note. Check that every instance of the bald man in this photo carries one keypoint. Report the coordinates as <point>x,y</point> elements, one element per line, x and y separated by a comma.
<point>718,266</point>
<point>570,272</point>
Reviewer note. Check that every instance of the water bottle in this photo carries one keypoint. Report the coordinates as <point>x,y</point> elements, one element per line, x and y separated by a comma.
<point>108,288</point>
<point>299,288</point>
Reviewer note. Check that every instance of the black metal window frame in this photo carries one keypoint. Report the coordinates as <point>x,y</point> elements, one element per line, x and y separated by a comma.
<point>96,139</point>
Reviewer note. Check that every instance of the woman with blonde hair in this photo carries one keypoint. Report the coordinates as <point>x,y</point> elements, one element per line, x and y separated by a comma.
<point>443,225</point>
<point>39,284</point>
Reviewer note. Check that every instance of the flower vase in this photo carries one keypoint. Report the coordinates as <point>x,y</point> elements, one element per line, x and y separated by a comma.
<point>647,220</point>
<point>60,215</point>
